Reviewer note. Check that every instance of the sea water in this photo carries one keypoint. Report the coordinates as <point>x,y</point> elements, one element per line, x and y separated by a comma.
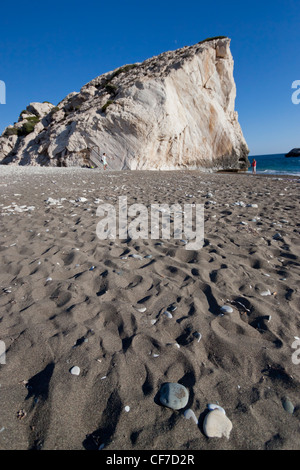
<point>276,164</point>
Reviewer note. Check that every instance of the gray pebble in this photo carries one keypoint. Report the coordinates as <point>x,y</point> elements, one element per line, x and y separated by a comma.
<point>174,395</point>
<point>288,406</point>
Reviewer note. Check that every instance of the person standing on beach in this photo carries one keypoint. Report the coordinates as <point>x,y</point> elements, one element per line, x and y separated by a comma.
<point>104,161</point>
<point>253,166</point>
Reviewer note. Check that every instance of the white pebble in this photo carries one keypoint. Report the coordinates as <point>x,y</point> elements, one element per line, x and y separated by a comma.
<point>197,335</point>
<point>168,314</point>
<point>75,370</point>
<point>127,409</point>
<point>265,292</point>
<point>212,406</point>
<point>226,309</point>
<point>189,414</point>
<point>216,424</point>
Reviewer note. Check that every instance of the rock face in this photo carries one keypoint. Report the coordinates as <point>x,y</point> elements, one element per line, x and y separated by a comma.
<point>173,111</point>
<point>293,153</point>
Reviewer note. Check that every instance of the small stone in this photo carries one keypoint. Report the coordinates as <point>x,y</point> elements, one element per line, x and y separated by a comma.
<point>168,314</point>
<point>189,414</point>
<point>80,199</point>
<point>75,370</point>
<point>141,309</point>
<point>265,292</point>
<point>226,309</point>
<point>174,395</point>
<point>127,409</point>
<point>212,406</point>
<point>216,424</point>
<point>136,256</point>
<point>288,406</point>
<point>197,335</point>
<point>172,308</point>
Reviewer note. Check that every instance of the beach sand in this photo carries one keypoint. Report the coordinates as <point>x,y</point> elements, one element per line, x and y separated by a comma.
<point>68,298</point>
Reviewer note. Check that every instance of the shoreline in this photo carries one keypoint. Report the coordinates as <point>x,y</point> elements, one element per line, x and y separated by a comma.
<point>34,169</point>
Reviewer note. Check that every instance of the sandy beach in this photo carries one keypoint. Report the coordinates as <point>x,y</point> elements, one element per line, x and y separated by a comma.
<point>68,298</point>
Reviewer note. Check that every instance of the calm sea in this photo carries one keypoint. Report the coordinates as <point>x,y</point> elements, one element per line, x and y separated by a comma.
<point>276,164</point>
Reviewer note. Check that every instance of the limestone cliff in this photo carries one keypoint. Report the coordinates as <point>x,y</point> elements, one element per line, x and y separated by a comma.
<point>173,111</point>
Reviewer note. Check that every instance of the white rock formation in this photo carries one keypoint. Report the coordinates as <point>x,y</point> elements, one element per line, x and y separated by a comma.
<point>173,111</point>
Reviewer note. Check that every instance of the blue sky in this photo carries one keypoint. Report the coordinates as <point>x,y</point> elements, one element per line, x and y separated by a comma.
<point>49,49</point>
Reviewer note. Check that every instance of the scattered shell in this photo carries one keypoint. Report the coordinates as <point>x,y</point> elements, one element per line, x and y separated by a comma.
<point>216,424</point>
<point>226,309</point>
<point>189,414</point>
<point>75,370</point>
<point>197,335</point>
<point>127,409</point>
<point>142,309</point>
<point>168,314</point>
<point>49,279</point>
<point>136,256</point>
<point>265,292</point>
<point>153,321</point>
<point>81,199</point>
<point>212,406</point>
<point>240,203</point>
<point>172,308</point>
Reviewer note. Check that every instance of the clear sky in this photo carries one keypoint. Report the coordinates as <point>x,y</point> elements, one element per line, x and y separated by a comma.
<point>49,49</point>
